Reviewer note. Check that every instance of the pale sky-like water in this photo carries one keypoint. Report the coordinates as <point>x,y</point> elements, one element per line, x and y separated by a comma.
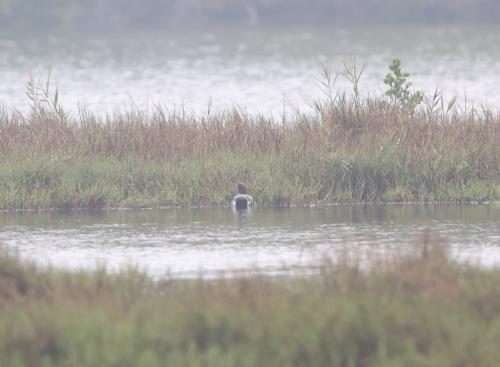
<point>260,71</point>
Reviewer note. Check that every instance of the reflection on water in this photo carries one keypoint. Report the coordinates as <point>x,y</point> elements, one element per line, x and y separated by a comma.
<point>186,242</point>
<point>258,70</point>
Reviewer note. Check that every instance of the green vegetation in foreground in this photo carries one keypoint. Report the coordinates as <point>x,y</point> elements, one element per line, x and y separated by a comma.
<point>420,308</point>
<point>401,147</point>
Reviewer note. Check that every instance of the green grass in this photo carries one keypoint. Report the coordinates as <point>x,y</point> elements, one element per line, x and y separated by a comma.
<point>417,308</point>
<point>43,183</point>
<point>349,149</point>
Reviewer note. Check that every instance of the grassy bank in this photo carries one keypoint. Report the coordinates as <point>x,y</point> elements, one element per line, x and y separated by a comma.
<point>404,148</point>
<point>419,308</point>
<point>48,182</point>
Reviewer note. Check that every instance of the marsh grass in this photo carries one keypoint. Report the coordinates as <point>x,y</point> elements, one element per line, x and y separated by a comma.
<point>352,148</point>
<point>418,307</point>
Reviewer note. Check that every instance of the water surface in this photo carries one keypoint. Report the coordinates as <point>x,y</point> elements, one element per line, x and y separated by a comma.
<point>261,71</point>
<point>206,241</point>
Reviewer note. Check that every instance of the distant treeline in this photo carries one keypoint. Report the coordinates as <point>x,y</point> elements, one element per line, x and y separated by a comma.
<point>120,14</point>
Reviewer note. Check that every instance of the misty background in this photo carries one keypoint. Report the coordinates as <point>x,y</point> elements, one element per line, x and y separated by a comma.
<point>115,15</point>
<point>263,56</point>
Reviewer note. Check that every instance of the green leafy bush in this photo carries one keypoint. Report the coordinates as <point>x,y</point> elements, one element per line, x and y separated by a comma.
<point>399,87</point>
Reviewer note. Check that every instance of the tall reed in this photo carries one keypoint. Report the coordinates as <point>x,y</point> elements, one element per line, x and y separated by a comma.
<point>351,148</point>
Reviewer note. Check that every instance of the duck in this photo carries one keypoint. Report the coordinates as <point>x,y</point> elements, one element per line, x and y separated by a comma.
<point>242,201</point>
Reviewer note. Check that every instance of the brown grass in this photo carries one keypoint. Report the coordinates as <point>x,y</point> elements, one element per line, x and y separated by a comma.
<point>350,149</point>
<point>345,125</point>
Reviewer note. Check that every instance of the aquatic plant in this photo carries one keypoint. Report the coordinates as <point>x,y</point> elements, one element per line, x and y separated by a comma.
<point>417,307</point>
<point>353,148</point>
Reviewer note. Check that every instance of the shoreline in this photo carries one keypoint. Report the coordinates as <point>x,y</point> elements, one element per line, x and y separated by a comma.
<point>270,206</point>
<point>41,183</point>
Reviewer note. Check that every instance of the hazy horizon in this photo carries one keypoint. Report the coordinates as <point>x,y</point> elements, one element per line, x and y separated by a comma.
<point>20,16</point>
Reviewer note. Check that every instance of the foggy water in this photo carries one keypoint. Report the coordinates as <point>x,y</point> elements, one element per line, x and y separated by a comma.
<point>258,70</point>
<point>206,241</point>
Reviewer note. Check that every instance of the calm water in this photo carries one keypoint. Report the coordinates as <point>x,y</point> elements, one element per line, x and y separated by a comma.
<point>187,242</point>
<point>260,70</point>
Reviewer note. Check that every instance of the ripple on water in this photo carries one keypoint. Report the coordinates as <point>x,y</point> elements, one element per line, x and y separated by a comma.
<point>210,240</point>
<point>191,70</point>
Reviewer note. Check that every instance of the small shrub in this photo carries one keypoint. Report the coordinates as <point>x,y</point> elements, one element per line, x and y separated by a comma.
<point>399,87</point>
